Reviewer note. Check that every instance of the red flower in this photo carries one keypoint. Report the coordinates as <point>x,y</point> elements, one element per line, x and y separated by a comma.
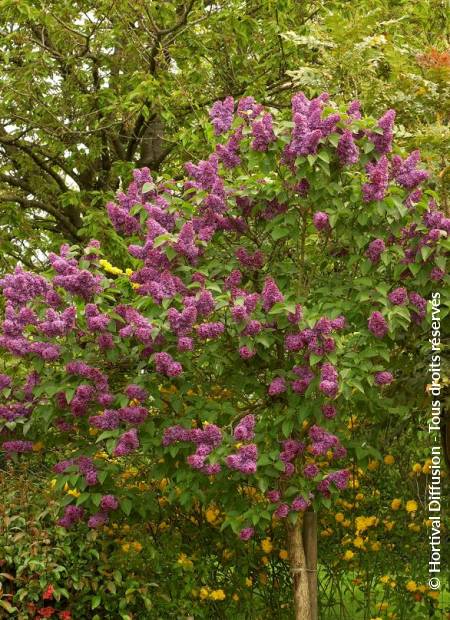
<point>48,592</point>
<point>46,612</point>
<point>65,615</point>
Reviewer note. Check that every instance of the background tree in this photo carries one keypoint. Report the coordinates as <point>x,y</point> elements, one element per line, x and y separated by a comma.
<point>91,89</point>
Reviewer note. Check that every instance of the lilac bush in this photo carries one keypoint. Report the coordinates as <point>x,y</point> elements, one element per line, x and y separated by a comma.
<point>268,289</point>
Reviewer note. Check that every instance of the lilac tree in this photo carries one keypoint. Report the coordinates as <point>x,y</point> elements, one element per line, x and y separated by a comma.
<point>271,289</point>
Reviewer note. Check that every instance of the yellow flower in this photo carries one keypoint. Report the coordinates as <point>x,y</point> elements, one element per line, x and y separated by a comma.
<point>265,560</point>
<point>263,578</point>
<point>204,593</point>
<point>352,422</point>
<point>235,597</point>
<point>385,579</point>
<point>422,589</point>
<point>427,466</point>
<point>248,582</point>
<point>396,503</point>
<point>375,546</point>
<point>389,459</point>
<point>359,497</point>
<point>266,545</point>
<point>414,527</point>
<point>37,446</point>
<point>363,523</point>
<point>129,272</point>
<point>184,561</point>
<point>348,555</point>
<point>73,493</point>
<point>339,517</point>
<point>373,465</point>
<point>358,542</point>
<point>227,554</point>
<point>283,555</point>
<point>417,468</point>
<point>126,547</point>
<point>212,515</point>
<point>411,505</point>
<point>411,586</point>
<point>137,546</point>
<point>217,595</point>
<point>353,483</point>
<point>53,483</point>
<point>93,431</point>
<point>110,268</point>
<point>433,594</point>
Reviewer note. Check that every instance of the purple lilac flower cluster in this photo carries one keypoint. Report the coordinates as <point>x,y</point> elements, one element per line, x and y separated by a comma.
<point>375,250</point>
<point>291,448</point>
<point>375,188</point>
<point>377,324</point>
<point>383,140</point>
<point>70,277</point>
<point>206,440</point>
<point>72,514</point>
<point>244,460</point>
<point>166,365</point>
<point>309,126</point>
<point>244,430</point>
<point>128,442</point>
<point>85,466</point>
<point>328,380</point>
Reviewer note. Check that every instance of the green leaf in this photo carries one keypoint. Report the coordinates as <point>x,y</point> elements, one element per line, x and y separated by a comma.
<point>126,505</point>
<point>95,601</point>
<point>279,232</point>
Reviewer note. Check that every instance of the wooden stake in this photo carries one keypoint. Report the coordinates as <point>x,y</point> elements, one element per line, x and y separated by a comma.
<point>310,546</point>
<point>302,602</point>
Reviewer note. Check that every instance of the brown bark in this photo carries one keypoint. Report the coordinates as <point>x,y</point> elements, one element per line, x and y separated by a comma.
<point>302,601</point>
<point>310,546</point>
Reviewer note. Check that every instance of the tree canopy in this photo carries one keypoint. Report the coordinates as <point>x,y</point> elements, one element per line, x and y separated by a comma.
<point>91,90</point>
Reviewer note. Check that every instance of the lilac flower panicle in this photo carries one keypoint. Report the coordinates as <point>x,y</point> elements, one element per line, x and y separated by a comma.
<point>399,296</point>
<point>246,533</point>
<point>127,443</point>
<point>273,496</point>
<point>17,446</point>
<point>300,504</point>
<point>221,115</point>
<point>383,378</point>
<point>377,325</point>
<point>375,250</point>
<point>270,294</point>
<point>383,141</point>
<point>311,471</point>
<point>244,431</point>
<point>375,188</point>
<point>282,511</point>
<point>97,520</point>
<point>109,502</point>
<point>278,386</point>
<point>210,330</point>
<point>347,150</point>
<point>321,220</point>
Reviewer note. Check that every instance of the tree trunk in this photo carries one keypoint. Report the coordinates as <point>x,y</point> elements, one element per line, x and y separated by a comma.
<point>310,546</point>
<point>302,601</point>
